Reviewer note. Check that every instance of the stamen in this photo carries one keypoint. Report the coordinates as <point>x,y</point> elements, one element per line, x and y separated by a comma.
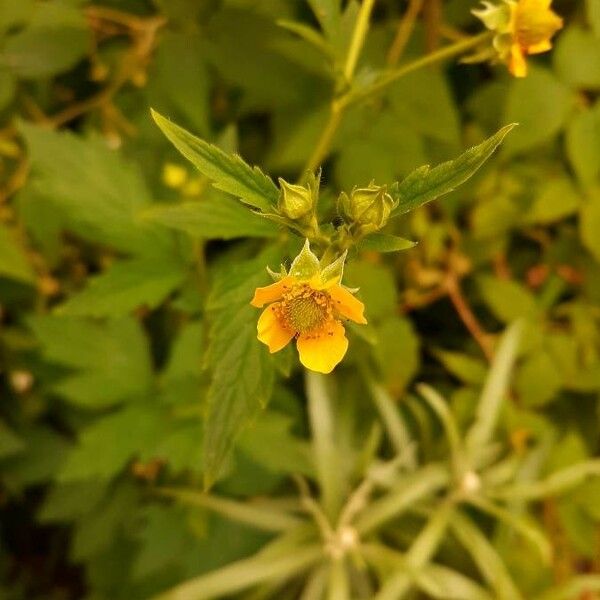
<point>304,309</point>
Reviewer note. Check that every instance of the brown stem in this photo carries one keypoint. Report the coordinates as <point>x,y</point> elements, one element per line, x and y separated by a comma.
<point>405,28</point>
<point>433,18</point>
<point>467,316</point>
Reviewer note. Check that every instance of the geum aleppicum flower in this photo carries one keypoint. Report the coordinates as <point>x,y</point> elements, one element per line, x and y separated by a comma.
<point>522,27</point>
<point>308,304</point>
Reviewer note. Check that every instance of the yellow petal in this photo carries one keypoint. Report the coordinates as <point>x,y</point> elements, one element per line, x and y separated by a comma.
<point>271,293</point>
<point>323,351</point>
<point>539,48</point>
<point>535,4</point>
<point>271,331</point>
<point>517,65</point>
<point>347,304</point>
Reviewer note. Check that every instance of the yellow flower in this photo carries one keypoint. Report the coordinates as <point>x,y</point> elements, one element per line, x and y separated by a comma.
<point>522,27</point>
<point>308,304</point>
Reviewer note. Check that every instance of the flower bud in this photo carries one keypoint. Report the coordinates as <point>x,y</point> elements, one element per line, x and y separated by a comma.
<point>369,207</point>
<point>295,201</point>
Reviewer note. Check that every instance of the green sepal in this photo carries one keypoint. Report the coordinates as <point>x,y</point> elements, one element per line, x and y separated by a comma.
<point>335,270</point>
<point>306,264</point>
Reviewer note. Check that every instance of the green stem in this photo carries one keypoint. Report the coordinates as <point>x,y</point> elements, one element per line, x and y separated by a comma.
<point>358,38</point>
<point>335,116</point>
<point>392,76</point>
<point>339,105</point>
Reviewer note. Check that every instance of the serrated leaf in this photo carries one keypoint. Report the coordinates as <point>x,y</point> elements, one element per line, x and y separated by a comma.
<point>384,242</point>
<point>98,192</point>
<point>65,502</point>
<point>10,443</point>
<point>110,361</point>
<point>212,218</point>
<point>107,445</point>
<point>38,461</point>
<point>425,184</point>
<point>126,286</point>
<point>242,370</point>
<point>227,172</point>
<point>13,261</point>
<point>55,39</point>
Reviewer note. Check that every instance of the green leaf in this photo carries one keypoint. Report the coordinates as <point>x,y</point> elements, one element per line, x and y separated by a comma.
<point>262,517</point>
<point>55,39</point>
<point>554,485</point>
<point>8,87</point>
<point>589,223</point>
<point>10,443</point>
<point>99,192</point>
<point>494,391</point>
<point>242,370</point>
<point>555,200</point>
<point>418,555</point>
<point>126,286</point>
<point>98,530</point>
<point>576,587</point>
<point>106,446</point>
<point>384,242</point>
<point>110,361</point>
<point>397,352</point>
<point>69,501</point>
<point>43,51</point>
<point>506,298</point>
<point>540,103</point>
<point>593,15</point>
<point>273,430</point>
<point>189,97</point>
<point>577,58</point>
<point>425,184</point>
<point>326,456</point>
<point>466,368</point>
<point>245,573</point>
<point>441,582</point>
<point>403,495</point>
<point>13,261</point>
<point>485,557</point>
<point>13,14</point>
<point>393,421</point>
<point>38,461</point>
<point>526,527</point>
<point>329,14</point>
<point>538,379</point>
<point>583,144</point>
<point>228,172</point>
<point>215,217</point>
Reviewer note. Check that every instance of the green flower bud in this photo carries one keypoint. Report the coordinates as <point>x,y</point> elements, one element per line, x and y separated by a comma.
<point>295,201</point>
<point>369,207</point>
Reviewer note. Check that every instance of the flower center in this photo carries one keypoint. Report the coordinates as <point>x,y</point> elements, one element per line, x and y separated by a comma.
<point>304,309</point>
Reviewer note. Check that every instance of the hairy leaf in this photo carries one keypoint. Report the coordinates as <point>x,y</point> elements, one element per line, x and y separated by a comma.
<point>425,184</point>
<point>228,172</point>
<point>212,218</point>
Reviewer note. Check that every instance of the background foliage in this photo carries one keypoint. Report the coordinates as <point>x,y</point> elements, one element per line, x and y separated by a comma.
<point>128,359</point>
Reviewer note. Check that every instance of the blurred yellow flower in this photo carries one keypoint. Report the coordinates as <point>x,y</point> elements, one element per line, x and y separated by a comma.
<point>522,27</point>
<point>308,304</point>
